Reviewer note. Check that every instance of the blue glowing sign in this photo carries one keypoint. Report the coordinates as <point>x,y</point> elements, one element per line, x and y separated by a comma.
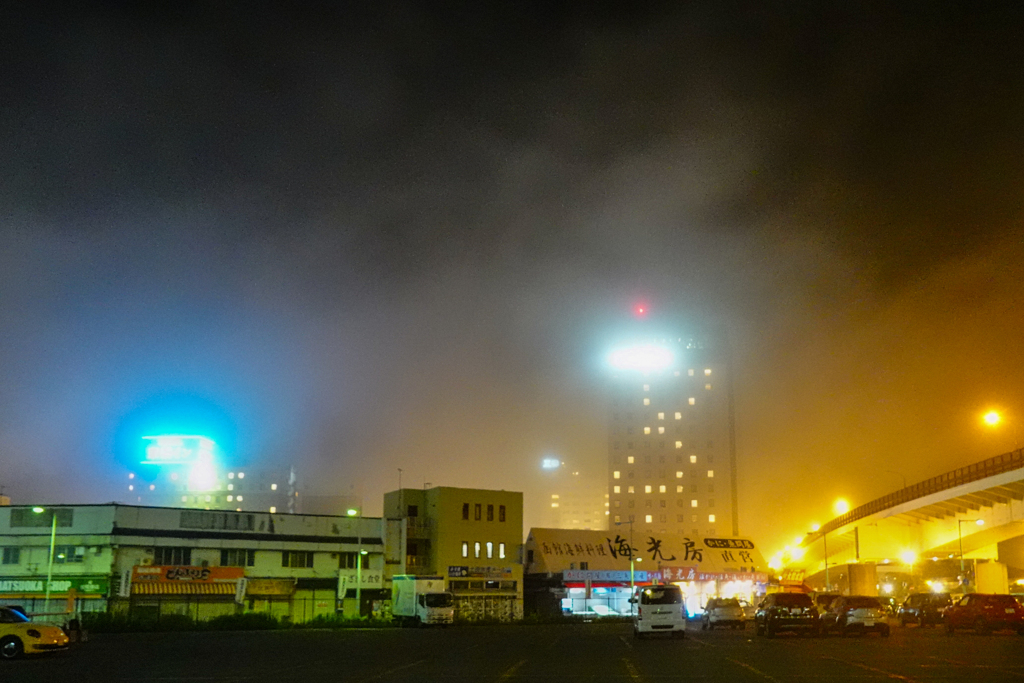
<point>177,449</point>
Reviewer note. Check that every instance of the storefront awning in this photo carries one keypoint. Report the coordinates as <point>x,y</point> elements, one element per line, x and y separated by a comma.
<point>183,588</point>
<point>662,557</point>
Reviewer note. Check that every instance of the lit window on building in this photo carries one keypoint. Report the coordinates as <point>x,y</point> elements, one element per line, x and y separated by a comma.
<point>231,475</point>
<point>647,430</point>
<point>490,550</point>
<point>707,371</point>
<point>465,549</point>
<point>661,489</point>
<point>679,444</point>
<point>273,508</point>
<point>554,496</point>
<point>707,386</point>
<point>711,473</point>
<point>174,476</point>
<point>241,475</point>
<point>647,489</point>
<point>618,519</point>
<point>690,372</point>
<point>616,474</point>
<point>692,401</point>
<point>617,489</point>
<point>273,487</point>
<point>661,430</point>
<point>554,505</point>
<point>501,551</point>
<point>152,487</point>
<point>679,474</point>
<point>711,518</point>
<point>647,387</point>
<point>476,549</point>
<point>631,490</point>
<point>184,499</point>
<point>679,489</point>
<point>131,475</point>
<point>693,503</point>
<point>649,518</point>
<point>230,498</point>
<point>661,416</point>
<point>131,487</point>
<point>629,459</point>
<point>239,499</point>
<point>679,416</point>
<point>693,458</point>
<point>647,401</point>
<point>231,487</point>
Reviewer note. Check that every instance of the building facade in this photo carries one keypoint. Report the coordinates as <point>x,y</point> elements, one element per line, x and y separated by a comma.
<point>470,537</point>
<point>671,450</point>
<point>152,561</point>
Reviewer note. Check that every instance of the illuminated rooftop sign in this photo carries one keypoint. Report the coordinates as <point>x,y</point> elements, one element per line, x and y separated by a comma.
<point>550,463</point>
<point>177,449</point>
<point>642,358</point>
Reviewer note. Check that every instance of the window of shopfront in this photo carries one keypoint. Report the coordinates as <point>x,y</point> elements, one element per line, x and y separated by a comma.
<point>172,556</point>
<point>296,559</point>
<point>237,557</point>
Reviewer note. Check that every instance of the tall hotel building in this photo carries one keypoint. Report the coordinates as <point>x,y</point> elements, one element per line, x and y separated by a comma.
<point>671,446</point>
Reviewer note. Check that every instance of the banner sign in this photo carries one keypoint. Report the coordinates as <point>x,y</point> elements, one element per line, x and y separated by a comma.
<point>278,586</point>
<point>455,572</point>
<point>610,575</point>
<point>192,574</point>
<point>694,574</point>
<point>81,585</point>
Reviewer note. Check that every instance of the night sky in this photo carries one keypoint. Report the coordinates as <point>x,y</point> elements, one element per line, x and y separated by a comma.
<point>367,236</point>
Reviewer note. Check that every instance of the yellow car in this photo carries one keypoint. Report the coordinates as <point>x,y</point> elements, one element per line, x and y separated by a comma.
<point>20,635</point>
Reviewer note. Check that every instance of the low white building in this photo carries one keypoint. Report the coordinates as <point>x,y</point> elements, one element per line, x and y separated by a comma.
<point>154,561</point>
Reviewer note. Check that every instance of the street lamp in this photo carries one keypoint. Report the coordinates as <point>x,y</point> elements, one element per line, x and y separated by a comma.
<point>53,538</point>
<point>994,418</point>
<point>359,582</point>
<point>632,582</point>
<point>960,537</point>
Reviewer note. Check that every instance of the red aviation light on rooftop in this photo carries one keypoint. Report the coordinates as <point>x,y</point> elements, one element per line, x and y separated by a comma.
<point>640,310</point>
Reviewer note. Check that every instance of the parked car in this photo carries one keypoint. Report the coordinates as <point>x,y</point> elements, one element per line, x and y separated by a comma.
<point>723,612</point>
<point>20,635</point>
<point>985,613</point>
<point>786,612</point>
<point>852,614</point>
<point>660,609</point>
<point>923,608</point>
<point>823,600</point>
<point>748,609</point>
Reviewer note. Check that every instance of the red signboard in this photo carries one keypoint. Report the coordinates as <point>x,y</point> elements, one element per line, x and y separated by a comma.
<point>190,574</point>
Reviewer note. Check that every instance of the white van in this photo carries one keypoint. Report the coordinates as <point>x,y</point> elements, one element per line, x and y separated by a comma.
<point>660,609</point>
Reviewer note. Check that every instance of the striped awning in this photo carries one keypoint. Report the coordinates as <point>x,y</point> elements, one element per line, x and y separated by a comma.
<point>184,588</point>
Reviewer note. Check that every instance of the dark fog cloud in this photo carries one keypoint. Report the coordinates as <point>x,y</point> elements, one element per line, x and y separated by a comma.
<point>402,237</point>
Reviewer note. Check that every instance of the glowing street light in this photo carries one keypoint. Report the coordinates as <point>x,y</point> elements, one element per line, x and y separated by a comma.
<point>841,506</point>
<point>992,418</point>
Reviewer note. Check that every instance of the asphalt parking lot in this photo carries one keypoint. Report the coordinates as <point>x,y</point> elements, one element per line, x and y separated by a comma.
<point>587,652</point>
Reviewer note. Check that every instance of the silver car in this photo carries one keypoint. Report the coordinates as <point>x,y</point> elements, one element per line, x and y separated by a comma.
<point>723,612</point>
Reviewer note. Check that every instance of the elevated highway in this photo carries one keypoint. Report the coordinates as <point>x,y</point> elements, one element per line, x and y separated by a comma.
<point>971,514</point>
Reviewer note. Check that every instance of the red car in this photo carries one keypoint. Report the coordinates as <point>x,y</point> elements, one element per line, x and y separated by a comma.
<point>985,613</point>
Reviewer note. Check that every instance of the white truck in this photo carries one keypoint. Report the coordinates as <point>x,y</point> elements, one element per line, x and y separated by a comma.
<point>421,601</point>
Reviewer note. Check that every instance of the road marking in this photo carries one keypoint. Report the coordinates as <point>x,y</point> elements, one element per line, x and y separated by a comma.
<point>626,642</point>
<point>633,673</point>
<point>510,672</point>
<point>381,675</point>
<point>750,668</point>
<point>890,674</point>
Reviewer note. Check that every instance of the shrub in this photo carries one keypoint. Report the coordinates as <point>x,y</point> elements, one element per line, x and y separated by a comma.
<point>252,621</point>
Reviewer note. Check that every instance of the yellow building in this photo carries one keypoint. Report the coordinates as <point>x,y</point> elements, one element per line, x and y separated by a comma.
<point>471,537</point>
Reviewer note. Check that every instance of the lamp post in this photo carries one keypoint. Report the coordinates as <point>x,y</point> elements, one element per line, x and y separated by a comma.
<point>359,581</point>
<point>53,538</point>
<point>960,538</point>
<point>824,540</point>
<point>632,581</point>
